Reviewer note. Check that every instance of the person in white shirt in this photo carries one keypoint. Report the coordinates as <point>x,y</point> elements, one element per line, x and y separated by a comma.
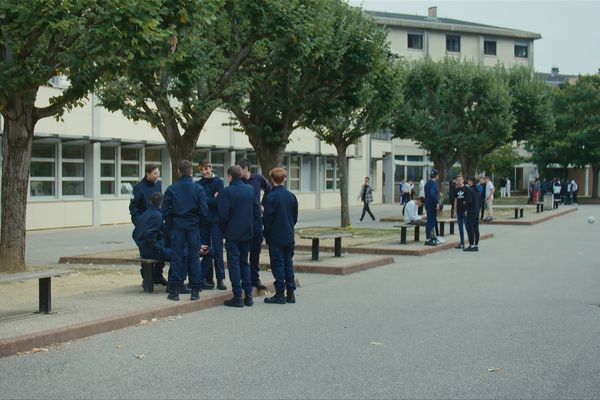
<point>489,199</point>
<point>411,212</point>
<point>407,189</point>
<point>574,190</point>
<point>507,187</point>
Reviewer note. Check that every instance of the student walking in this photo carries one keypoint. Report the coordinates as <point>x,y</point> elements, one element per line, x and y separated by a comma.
<point>280,217</point>
<point>366,196</point>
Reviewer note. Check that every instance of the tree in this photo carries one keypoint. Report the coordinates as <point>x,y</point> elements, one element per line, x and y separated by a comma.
<point>501,162</point>
<point>577,110</point>
<point>285,79</point>
<point>175,81</point>
<point>359,102</point>
<point>38,40</point>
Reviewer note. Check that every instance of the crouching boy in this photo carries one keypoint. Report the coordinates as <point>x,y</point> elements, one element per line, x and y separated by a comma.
<point>279,218</point>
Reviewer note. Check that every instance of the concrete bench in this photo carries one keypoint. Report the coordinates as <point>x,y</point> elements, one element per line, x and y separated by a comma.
<point>337,236</point>
<point>45,288</point>
<point>404,227</point>
<point>518,209</point>
<point>442,222</point>
<point>148,273</point>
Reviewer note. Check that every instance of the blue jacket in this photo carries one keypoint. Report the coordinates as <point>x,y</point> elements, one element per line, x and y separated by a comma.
<point>432,194</point>
<point>259,183</point>
<point>140,201</point>
<point>211,186</point>
<point>149,235</point>
<point>280,216</point>
<point>237,211</point>
<point>184,205</point>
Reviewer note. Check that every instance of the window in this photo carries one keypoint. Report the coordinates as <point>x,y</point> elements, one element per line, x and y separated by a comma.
<point>218,163</point>
<point>521,50</point>
<point>453,43</point>
<point>108,159</point>
<point>130,169</point>
<point>489,47</point>
<point>254,167</point>
<point>43,170</point>
<point>293,172</point>
<point>415,41</point>
<point>414,158</point>
<point>331,174</point>
<point>73,170</point>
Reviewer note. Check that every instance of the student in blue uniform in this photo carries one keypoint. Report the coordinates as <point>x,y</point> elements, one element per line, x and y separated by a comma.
<point>149,233</point>
<point>185,206</point>
<point>280,217</point>
<point>473,205</point>
<point>432,205</point>
<point>259,183</point>
<point>140,202</point>
<point>211,231</point>
<point>237,213</point>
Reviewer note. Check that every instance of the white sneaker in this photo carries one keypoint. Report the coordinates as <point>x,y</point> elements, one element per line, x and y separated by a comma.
<point>440,240</point>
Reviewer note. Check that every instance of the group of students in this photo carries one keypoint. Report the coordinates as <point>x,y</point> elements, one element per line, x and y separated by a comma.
<point>565,190</point>
<point>467,203</point>
<point>192,218</point>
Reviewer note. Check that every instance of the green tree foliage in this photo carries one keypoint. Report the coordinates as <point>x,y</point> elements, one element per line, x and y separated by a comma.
<point>501,162</point>
<point>38,40</point>
<point>176,80</point>
<point>361,94</point>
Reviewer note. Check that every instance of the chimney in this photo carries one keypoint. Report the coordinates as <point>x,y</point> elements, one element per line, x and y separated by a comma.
<point>432,12</point>
<point>554,70</point>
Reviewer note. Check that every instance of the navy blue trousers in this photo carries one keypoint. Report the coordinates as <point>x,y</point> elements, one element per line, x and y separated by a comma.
<point>239,269</point>
<point>212,237</point>
<point>255,248</point>
<point>460,218</point>
<point>282,267</point>
<point>185,243</point>
<point>431,221</point>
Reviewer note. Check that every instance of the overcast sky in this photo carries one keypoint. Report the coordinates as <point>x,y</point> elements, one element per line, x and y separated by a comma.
<point>570,29</point>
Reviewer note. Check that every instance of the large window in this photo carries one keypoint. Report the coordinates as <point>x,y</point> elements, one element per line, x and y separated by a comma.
<point>521,50</point>
<point>489,47</point>
<point>218,163</point>
<point>108,168</point>
<point>292,165</point>
<point>73,170</point>
<point>453,43</point>
<point>415,41</point>
<point>43,170</point>
<point>331,174</point>
<point>130,169</point>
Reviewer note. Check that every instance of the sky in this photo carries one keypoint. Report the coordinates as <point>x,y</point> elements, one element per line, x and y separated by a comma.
<point>570,29</point>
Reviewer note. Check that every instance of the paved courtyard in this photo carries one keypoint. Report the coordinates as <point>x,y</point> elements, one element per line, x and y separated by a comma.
<point>519,319</point>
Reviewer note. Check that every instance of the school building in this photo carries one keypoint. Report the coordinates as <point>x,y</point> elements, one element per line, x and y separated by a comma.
<point>83,168</point>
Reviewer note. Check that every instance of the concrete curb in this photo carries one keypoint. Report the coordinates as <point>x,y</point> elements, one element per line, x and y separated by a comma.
<point>531,222</point>
<point>343,270</point>
<point>13,345</point>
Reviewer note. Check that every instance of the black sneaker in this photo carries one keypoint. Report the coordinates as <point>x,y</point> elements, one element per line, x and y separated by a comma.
<point>470,248</point>
<point>475,248</point>
<point>459,246</point>
<point>173,293</point>
<point>431,243</point>
<point>160,281</point>
<point>183,289</point>
<point>234,302</point>
<point>248,301</point>
<point>221,285</point>
<point>276,299</point>
<point>195,295</point>
<point>258,285</point>
<point>290,298</point>
<point>207,286</point>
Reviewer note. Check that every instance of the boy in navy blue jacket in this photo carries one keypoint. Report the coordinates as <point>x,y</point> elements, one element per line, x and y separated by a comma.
<point>149,233</point>
<point>280,217</point>
<point>142,191</point>
<point>184,205</point>
<point>259,183</point>
<point>211,231</point>
<point>237,212</point>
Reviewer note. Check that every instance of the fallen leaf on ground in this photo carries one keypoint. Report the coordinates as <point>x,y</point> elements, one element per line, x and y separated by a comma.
<point>494,369</point>
<point>143,322</point>
<point>376,344</point>
<point>154,319</point>
<point>140,356</point>
<point>39,350</point>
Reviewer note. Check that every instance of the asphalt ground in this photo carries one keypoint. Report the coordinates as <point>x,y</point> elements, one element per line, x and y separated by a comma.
<point>519,319</point>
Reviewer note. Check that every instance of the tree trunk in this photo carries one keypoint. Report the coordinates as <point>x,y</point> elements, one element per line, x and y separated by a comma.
<point>269,155</point>
<point>342,165</point>
<point>441,164</point>
<point>595,171</point>
<point>19,125</point>
<point>181,147</point>
<point>468,167</point>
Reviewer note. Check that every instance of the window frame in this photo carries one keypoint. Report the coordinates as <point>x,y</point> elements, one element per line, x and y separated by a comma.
<point>113,178</point>
<point>524,45</point>
<point>495,47</point>
<point>53,179</point>
<point>64,179</point>
<point>448,38</point>
<point>129,179</point>
<point>334,179</point>
<point>408,42</point>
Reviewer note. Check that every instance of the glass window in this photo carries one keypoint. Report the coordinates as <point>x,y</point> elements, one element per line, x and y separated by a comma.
<point>489,47</point>
<point>153,156</point>
<point>331,174</point>
<point>72,188</point>
<point>73,152</point>
<point>42,170</point>
<point>415,41</point>
<point>521,50</point>
<point>130,169</point>
<point>217,160</point>
<point>453,43</point>
<point>108,167</point>
<point>413,173</point>
<point>293,173</point>
<point>414,158</point>
<point>130,154</point>
<point>73,170</point>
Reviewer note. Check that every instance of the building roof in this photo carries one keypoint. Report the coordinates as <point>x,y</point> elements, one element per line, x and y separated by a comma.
<point>447,24</point>
<point>555,79</point>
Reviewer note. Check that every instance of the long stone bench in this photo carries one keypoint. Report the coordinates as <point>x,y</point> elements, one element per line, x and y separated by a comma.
<point>337,236</point>
<point>45,288</point>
